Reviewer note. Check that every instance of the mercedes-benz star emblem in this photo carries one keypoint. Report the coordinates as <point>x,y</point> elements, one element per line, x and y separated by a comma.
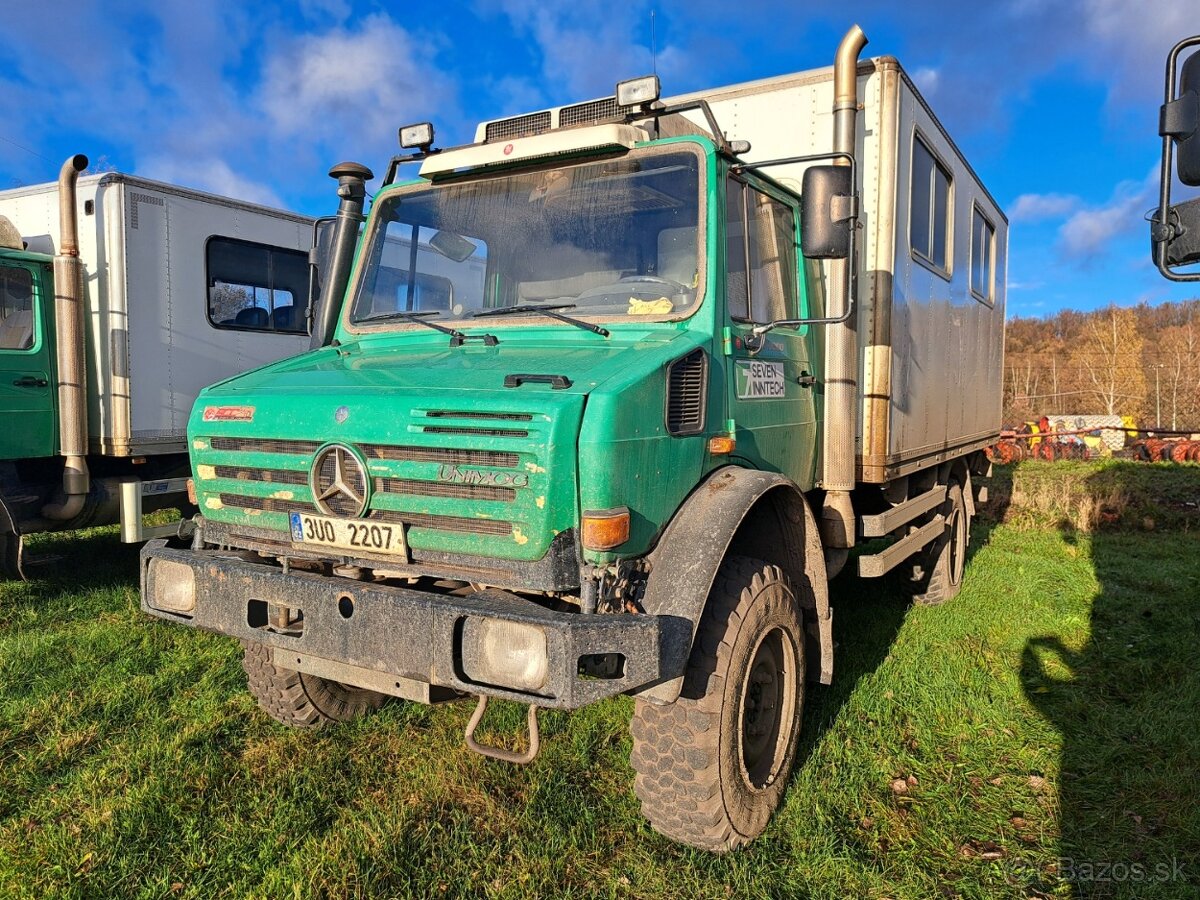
<point>339,482</point>
<point>341,414</point>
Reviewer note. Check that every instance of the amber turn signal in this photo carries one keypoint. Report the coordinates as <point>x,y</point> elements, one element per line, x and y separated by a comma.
<point>604,529</point>
<point>721,445</point>
<point>191,489</point>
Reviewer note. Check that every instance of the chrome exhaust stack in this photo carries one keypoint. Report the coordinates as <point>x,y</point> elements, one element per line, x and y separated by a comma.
<point>837,522</point>
<point>72,350</point>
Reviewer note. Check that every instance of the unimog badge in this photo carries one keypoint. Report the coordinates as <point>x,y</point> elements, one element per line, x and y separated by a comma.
<point>458,475</point>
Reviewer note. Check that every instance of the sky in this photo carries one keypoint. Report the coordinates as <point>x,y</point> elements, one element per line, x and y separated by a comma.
<point>1054,102</point>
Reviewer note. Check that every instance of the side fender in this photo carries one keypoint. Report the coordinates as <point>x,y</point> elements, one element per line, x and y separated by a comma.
<point>758,514</point>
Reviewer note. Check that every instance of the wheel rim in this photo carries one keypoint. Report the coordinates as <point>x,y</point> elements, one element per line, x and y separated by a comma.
<point>768,709</point>
<point>957,545</point>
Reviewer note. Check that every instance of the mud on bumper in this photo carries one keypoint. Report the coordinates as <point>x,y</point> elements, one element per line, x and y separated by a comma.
<point>397,640</point>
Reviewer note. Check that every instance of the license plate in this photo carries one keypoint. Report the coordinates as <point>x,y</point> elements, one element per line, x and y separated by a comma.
<point>346,534</point>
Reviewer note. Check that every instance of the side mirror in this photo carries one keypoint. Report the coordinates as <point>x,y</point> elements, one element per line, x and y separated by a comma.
<point>1175,228</point>
<point>318,262</point>
<point>1179,120</point>
<point>827,212</point>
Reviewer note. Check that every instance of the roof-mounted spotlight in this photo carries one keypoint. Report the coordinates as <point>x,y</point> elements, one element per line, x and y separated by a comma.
<point>418,136</point>
<point>638,91</point>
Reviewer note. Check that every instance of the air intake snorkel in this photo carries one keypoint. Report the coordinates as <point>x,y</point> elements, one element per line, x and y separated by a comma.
<point>352,188</point>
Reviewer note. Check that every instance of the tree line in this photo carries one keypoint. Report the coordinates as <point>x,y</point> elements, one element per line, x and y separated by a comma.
<point>1141,361</point>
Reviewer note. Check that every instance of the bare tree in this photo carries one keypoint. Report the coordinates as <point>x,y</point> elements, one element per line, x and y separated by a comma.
<point>1109,356</point>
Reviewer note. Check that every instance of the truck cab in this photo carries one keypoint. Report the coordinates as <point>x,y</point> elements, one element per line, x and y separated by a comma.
<point>27,367</point>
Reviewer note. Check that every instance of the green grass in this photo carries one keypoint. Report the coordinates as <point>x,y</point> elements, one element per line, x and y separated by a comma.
<point>1049,712</point>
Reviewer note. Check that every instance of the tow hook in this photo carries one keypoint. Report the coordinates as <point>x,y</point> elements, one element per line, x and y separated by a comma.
<point>510,756</point>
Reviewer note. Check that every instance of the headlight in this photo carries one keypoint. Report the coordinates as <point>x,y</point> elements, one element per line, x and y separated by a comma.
<point>504,654</point>
<point>171,586</point>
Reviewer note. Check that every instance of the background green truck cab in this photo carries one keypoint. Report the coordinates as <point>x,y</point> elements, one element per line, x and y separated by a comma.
<point>27,370</point>
<point>587,377</point>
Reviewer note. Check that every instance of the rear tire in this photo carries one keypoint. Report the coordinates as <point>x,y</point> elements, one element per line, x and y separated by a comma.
<point>937,575</point>
<point>298,699</point>
<point>712,767</point>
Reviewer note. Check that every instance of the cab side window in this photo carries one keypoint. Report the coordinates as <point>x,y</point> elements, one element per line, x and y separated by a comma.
<point>16,308</point>
<point>256,286</point>
<point>760,268</point>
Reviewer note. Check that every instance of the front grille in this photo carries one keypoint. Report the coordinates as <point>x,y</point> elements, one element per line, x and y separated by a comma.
<point>463,429</point>
<point>460,524</point>
<point>494,458</point>
<point>270,476</point>
<point>591,112</point>
<point>416,487</point>
<point>265,445</point>
<point>518,126</point>
<point>267,504</point>
<point>687,387</point>
<point>469,414</point>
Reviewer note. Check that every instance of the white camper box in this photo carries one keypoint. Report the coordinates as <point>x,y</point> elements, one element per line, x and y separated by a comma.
<point>152,345</point>
<point>924,322</point>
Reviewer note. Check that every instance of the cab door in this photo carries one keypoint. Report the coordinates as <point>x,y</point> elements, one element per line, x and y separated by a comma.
<point>771,384</point>
<point>27,389</point>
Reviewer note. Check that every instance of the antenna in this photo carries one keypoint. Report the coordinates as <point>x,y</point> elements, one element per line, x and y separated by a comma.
<point>653,46</point>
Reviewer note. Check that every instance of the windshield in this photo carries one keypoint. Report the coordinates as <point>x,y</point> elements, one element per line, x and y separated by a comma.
<point>611,239</point>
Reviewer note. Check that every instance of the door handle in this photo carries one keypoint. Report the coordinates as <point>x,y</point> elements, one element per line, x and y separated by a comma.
<point>30,381</point>
<point>806,380</point>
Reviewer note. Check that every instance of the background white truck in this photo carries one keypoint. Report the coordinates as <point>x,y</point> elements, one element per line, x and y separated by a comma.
<point>156,291</point>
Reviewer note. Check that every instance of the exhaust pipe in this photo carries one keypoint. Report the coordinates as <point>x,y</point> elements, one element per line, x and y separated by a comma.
<point>841,339</point>
<point>352,181</point>
<point>72,353</point>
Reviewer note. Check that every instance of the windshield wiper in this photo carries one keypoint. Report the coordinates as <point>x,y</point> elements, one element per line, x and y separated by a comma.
<point>457,338</point>
<point>545,311</point>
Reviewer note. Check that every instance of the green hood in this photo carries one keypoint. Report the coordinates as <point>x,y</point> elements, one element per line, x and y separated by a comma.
<point>468,465</point>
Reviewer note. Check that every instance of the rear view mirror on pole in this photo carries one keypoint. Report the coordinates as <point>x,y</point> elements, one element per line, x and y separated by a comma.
<point>827,212</point>
<point>1175,228</point>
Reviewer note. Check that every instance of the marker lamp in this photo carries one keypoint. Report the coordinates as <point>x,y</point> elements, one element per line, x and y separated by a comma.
<point>604,529</point>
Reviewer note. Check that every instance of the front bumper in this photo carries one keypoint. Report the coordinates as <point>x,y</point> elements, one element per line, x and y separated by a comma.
<point>374,635</point>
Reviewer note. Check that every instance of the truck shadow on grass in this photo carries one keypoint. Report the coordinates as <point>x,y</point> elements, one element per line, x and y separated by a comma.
<point>1125,692</point>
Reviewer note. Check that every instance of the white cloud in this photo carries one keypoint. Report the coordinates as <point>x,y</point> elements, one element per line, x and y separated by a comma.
<point>355,85</point>
<point>588,46</point>
<point>1035,207</point>
<point>1090,231</point>
<point>927,78</point>
<point>213,175</point>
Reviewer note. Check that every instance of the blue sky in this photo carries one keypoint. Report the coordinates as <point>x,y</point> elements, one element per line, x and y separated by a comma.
<point>1055,102</point>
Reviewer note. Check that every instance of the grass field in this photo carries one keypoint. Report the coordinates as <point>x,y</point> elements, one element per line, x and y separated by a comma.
<point>1036,737</point>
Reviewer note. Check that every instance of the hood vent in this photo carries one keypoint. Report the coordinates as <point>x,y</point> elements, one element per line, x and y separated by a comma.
<point>687,393</point>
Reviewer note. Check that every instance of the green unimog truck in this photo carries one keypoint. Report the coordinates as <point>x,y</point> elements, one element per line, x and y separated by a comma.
<point>597,405</point>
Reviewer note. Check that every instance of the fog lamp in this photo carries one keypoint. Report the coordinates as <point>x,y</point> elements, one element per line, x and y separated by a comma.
<point>171,586</point>
<point>505,654</point>
<point>419,135</point>
<point>604,529</point>
<point>638,91</point>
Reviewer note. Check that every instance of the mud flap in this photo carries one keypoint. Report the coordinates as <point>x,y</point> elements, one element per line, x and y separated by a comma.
<point>12,547</point>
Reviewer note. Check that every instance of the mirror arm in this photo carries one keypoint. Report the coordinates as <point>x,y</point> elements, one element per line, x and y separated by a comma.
<point>754,340</point>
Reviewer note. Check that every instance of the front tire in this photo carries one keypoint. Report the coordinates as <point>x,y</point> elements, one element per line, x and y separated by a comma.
<point>712,767</point>
<point>298,699</point>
